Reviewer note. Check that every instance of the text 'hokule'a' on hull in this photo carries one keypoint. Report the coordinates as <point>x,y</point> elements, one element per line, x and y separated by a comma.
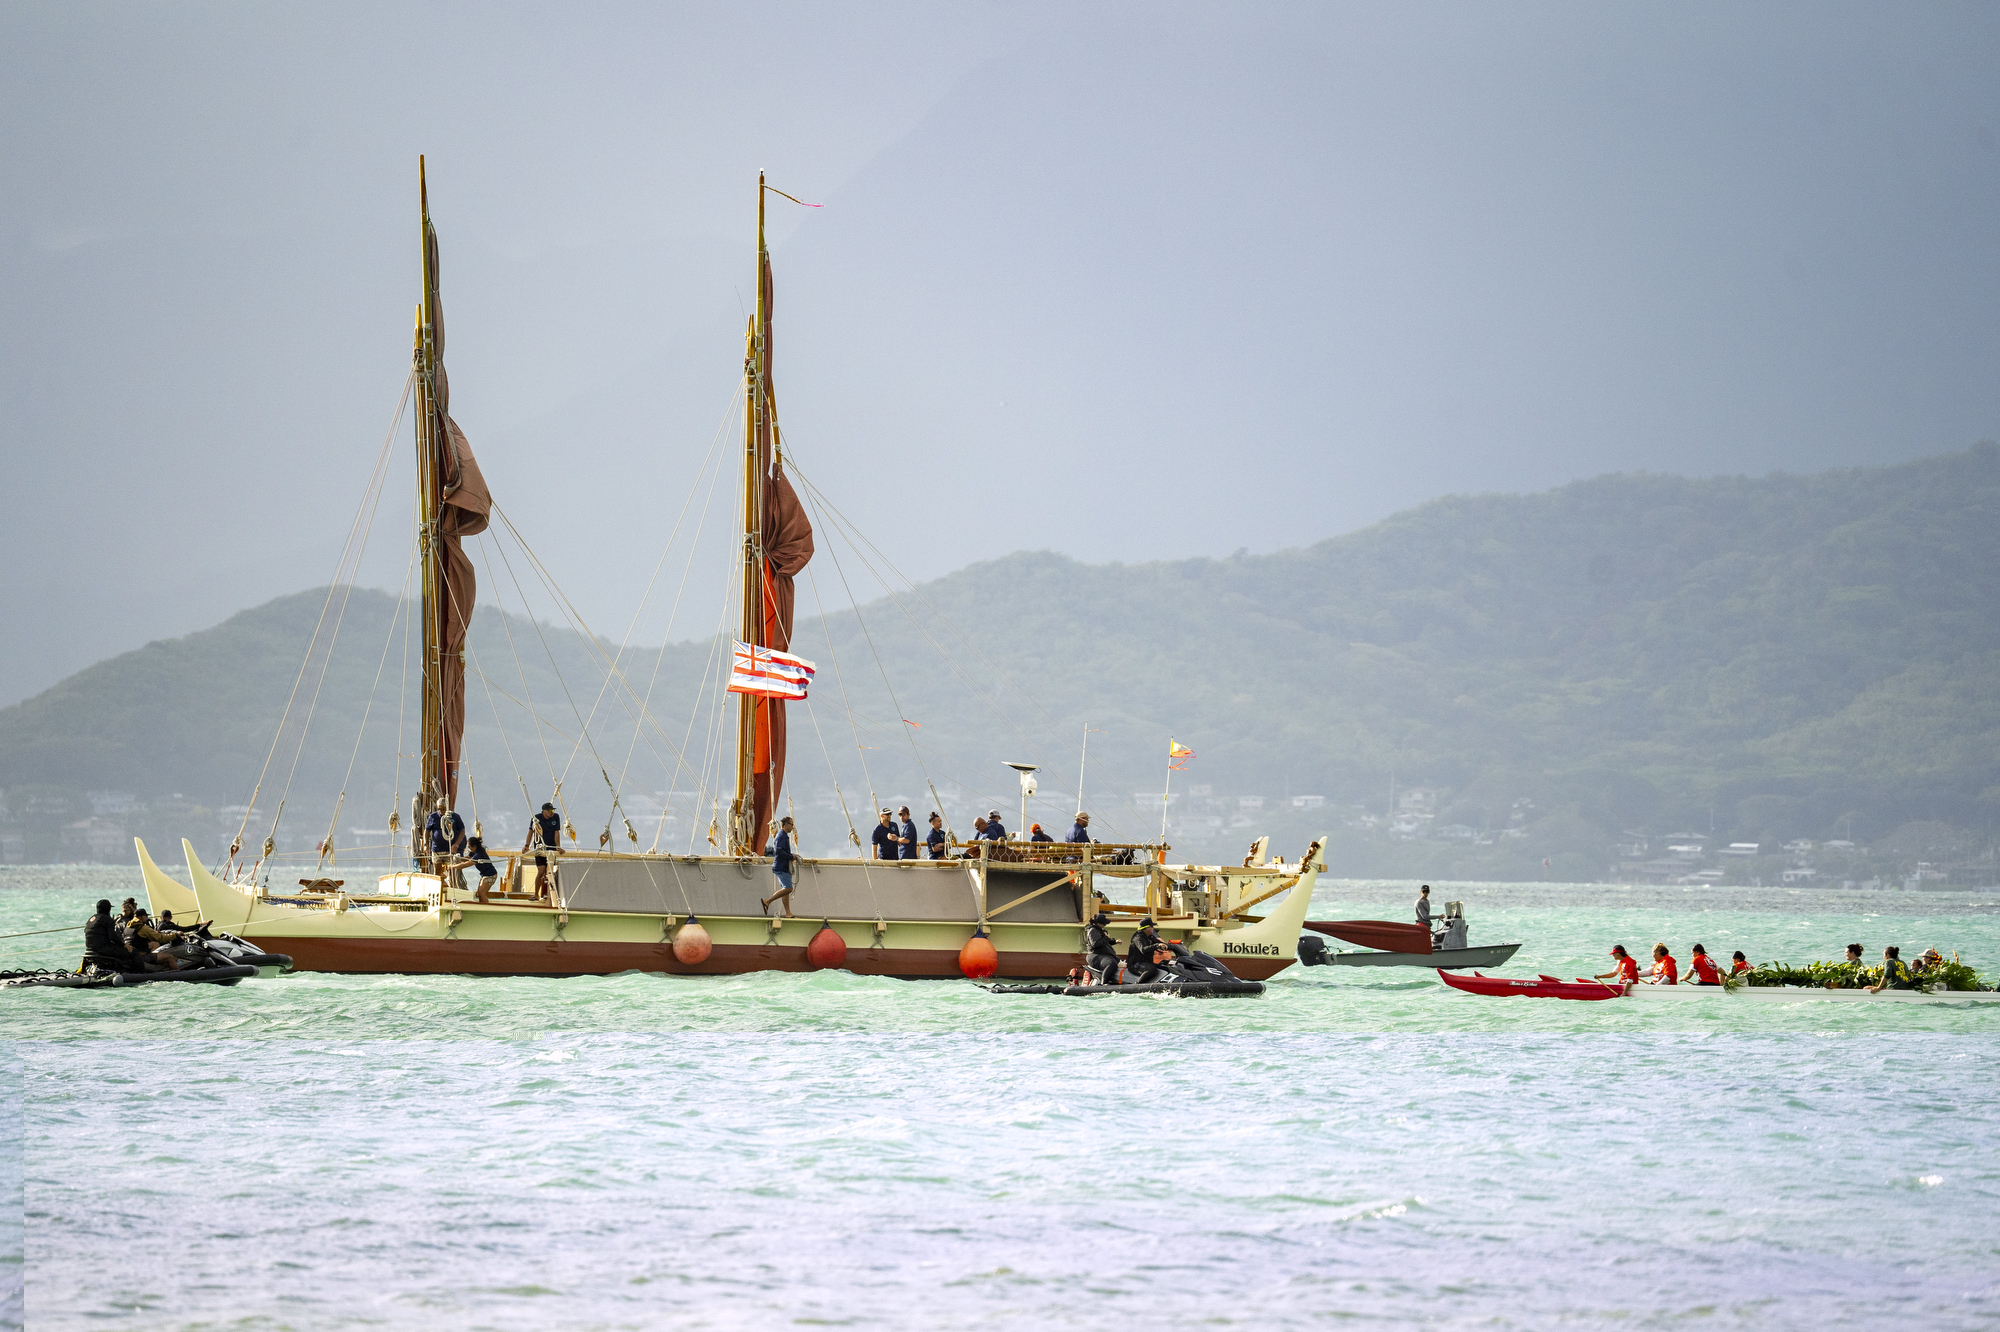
<point>1005,909</point>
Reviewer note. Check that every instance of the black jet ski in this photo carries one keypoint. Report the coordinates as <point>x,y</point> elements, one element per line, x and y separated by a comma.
<point>1193,975</point>
<point>241,952</point>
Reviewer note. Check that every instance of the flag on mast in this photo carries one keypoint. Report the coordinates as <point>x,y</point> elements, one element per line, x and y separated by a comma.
<point>1177,755</point>
<point>768,673</point>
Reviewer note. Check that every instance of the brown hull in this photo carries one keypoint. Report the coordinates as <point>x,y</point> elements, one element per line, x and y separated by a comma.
<point>475,957</point>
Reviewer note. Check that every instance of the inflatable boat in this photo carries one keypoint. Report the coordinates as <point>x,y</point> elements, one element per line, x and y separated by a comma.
<point>1217,989</point>
<point>90,978</point>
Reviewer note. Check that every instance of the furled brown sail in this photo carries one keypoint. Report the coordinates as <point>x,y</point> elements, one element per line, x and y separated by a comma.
<point>788,546</point>
<point>465,505</point>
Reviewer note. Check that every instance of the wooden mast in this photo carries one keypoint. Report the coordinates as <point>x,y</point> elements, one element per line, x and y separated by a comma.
<point>430,500</point>
<point>756,402</point>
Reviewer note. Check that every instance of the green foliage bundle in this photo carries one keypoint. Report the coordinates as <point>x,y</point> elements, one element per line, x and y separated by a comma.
<point>1853,975</point>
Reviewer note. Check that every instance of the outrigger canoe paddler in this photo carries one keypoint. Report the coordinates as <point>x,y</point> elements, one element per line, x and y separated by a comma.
<point>1625,967</point>
<point>1703,967</point>
<point>1895,973</point>
<point>1666,971</point>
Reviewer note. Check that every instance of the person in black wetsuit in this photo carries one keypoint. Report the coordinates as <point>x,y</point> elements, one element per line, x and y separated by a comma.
<point>1139,966</point>
<point>1101,950</point>
<point>102,947</point>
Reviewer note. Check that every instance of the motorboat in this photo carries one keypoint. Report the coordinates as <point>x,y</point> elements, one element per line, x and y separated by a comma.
<point>1388,943</point>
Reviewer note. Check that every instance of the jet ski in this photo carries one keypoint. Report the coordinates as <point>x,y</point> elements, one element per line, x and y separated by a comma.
<point>241,952</point>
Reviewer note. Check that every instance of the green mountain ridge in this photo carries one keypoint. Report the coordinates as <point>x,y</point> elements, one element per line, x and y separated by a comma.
<point>1752,658</point>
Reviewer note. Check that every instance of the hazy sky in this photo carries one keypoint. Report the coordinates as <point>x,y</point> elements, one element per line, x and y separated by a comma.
<point>1123,281</point>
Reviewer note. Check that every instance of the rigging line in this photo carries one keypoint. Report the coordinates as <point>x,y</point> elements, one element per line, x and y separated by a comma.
<point>305,664</point>
<point>661,563</point>
<point>505,743</point>
<point>519,666</point>
<point>387,641</point>
<point>839,529</point>
<point>567,610</point>
<point>840,679</point>
<point>881,669</point>
<point>860,537</point>
<point>680,593</point>
<point>339,618</point>
<point>694,714</point>
<point>402,698</point>
<point>711,762</point>
<point>847,530</point>
<point>853,836</point>
<point>525,707</point>
<point>550,652</point>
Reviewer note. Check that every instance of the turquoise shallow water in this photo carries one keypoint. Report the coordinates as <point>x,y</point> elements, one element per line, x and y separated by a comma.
<point>1355,1148</point>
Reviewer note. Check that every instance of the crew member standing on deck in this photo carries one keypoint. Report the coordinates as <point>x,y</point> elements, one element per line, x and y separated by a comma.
<point>475,852</point>
<point>907,827</point>
<point>547,831</point>
<point>995,831</point>
<point>936,840</point>
<point>1080,830</point>
<point>888,843</point>
<point>781,866</point>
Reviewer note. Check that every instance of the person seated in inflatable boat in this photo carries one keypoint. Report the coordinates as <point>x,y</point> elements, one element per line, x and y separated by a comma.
<point>147,944</point>
<point>103,949</point>
<point>1100,951</point>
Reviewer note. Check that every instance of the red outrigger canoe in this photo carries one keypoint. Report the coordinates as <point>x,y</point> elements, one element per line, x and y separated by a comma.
<point>1542,987</point>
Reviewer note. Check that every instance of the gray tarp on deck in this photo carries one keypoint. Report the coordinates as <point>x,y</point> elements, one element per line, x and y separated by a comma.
<point>890,890</point>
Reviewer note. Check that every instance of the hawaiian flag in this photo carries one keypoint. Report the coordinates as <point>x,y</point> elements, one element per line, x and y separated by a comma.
<point>769,673</point>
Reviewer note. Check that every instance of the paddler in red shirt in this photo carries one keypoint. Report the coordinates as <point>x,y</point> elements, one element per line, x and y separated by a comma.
<point>1739,965</point>
<point>1625,966</point>
<point>1704,968</point>
<point>1666,971</point>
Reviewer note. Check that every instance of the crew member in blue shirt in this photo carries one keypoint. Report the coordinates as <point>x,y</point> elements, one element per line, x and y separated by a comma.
<point>888,844</point>
<point>935,841</point>
<point>995,831</point>
<point>781,866</point>
<point>1035,834</point>
<point>1080,830</point>
<point>908,829</point>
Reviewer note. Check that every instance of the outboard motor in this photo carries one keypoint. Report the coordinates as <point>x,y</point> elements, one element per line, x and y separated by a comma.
<point>1312,951</point>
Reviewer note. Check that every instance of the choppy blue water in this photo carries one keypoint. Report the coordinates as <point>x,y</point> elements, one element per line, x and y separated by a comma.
<point>1355,1148</point>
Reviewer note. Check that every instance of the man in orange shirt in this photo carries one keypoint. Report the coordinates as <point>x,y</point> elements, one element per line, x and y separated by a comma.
<point>1666,971</point>
<point>1705,972</point>
<point>1625,967</point>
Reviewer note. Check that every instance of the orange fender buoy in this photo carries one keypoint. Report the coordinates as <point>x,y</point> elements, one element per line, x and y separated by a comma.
<point>978,959</point>
<point>692,944</point>
<point>827,949</point>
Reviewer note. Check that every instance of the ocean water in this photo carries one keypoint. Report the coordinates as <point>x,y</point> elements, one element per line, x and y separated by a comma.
<point>1353,1149</point>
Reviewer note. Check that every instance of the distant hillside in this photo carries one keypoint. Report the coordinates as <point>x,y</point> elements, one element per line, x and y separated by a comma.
<point>1778,657</point>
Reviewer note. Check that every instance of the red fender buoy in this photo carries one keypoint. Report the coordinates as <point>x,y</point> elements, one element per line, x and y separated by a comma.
<point>978,959</point>
<point>827,949</point>
<point>692,944</point>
